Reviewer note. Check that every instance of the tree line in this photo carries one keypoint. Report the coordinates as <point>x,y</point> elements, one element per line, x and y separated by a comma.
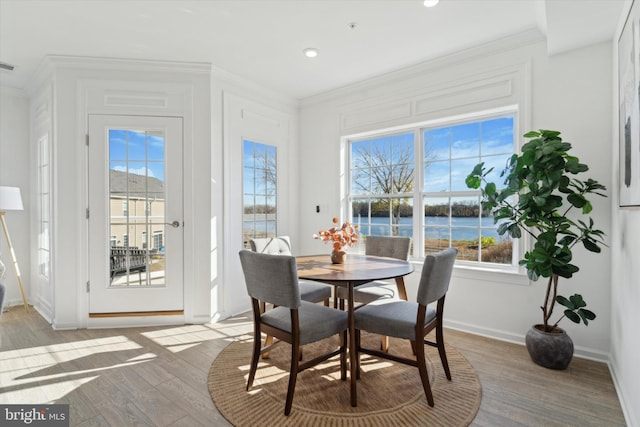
<point>260,209</point>
<point>404,209</point>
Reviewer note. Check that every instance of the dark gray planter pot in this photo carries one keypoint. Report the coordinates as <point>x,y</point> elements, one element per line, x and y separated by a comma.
<point>552,350</point>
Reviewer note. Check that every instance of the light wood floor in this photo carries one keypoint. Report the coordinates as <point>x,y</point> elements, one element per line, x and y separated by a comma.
<point>158,376</point>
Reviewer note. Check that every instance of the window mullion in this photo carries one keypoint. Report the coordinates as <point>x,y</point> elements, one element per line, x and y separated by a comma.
<point>418,203</point>
<point>443,154</point>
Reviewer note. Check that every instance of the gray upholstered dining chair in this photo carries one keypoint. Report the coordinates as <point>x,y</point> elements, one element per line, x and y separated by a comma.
<point>274,278</point>
<point>281,245</point>
<point>413,320</point>
<point>309,291</point>
<point>385,246</point>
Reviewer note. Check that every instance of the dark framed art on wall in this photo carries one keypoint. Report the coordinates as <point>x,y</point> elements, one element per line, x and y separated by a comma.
<point>629,107</point>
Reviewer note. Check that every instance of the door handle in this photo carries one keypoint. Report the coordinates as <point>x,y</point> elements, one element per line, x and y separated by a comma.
<point>174,224</point>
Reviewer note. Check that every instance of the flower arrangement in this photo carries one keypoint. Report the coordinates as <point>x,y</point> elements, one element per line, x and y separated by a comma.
<point>339,236</point>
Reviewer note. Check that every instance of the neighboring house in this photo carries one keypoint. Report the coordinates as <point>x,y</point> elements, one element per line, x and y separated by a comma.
<point>136,210</point>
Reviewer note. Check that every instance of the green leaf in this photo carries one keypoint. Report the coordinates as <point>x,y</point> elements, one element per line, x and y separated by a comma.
<point>563,301</point>
<point>588,314</point>
<point>514,231</point>
<point>571,315</point>
<point>473,181</point>
<point>490,189</point>
<point>591,246</point>
<point>577,301</point>
<point>577,200</point>
<point>531,134</point>
<point>550,134</point>
<point>502,228</point>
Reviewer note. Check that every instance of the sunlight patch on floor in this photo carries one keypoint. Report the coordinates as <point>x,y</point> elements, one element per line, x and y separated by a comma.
<point>45,373</point>
<point>176,339</point>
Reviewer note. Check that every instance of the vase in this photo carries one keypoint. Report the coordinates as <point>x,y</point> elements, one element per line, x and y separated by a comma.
<point>552,350</point>
<point>338,257</point>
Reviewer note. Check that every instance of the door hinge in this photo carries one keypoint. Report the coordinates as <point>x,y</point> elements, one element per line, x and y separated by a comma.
<point>86,139</point>
<point>87,213</point>
<point>88,286</point>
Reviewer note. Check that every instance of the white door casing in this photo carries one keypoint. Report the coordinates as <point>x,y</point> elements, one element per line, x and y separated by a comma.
<point>155,289</point>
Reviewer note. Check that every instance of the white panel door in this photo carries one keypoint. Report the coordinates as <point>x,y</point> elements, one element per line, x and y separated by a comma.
<point>136,210</point>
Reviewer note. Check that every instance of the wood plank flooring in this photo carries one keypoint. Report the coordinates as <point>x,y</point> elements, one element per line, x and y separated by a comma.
<point>158,376</point>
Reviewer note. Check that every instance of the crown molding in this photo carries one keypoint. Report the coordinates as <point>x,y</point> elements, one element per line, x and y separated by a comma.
<point>51,63</point>
<point>257,91</point>
<point>524,38</point>
<point>120,64</point>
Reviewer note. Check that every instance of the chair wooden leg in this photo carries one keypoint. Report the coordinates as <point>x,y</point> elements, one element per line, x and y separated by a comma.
<point>293,375</point>
<point>343,356</point>
<point>269,339</point>
<point>257,342</point>
<point>267,342</point>
<point>384,343</point>
<point>358,342</point>
<point>424,375</point>
<point>402,291</point>
<point>441,351</point>
<point>326,302</point>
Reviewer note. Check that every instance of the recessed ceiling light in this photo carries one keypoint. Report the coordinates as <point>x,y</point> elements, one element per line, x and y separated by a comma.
<point>310,52</point>
<point>430,3</point>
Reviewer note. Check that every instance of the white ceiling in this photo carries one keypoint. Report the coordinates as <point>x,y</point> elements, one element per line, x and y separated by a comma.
<point>262,40</point>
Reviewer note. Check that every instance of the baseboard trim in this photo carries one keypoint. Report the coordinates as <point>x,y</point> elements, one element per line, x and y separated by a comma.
<point>626,409</point>
<point>581,352</point>
<point>137,314</point>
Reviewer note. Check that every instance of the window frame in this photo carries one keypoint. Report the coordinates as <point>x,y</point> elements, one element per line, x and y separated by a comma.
<point>275,188</point>
<point>419,195</point>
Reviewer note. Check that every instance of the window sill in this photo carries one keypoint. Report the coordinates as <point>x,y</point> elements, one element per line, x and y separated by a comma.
<point>485,274</point>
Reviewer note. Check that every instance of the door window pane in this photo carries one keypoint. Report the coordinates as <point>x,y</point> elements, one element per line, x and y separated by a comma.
<point>137,197</point>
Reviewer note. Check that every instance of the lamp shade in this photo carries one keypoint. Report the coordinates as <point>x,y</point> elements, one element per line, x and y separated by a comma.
<point>10,199</point>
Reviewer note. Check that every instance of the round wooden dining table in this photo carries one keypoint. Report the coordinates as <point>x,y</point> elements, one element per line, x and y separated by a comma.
<point>357,269</point>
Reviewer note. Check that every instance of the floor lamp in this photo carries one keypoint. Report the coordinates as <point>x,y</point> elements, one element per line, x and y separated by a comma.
<point>11,200</point>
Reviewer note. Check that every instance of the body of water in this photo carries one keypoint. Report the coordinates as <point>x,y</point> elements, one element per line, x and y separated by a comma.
<point>435,227</point>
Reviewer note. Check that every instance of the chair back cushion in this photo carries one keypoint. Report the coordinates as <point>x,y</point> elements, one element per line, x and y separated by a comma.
<point>388,246</point>
<point>271,278</point>
<point>436,274</point>
<point>280,245</point>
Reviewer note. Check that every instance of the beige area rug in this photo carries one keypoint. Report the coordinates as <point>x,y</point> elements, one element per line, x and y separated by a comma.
<point>389,394</point>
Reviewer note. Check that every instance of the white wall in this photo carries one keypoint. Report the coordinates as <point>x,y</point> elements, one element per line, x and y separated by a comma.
<point>625,278</point>
<point>572,93</point>
<point>625,315</point>
<point>69,79</point>
<point>14,150</point>
<point>243,110</point>
<point>569,92</point>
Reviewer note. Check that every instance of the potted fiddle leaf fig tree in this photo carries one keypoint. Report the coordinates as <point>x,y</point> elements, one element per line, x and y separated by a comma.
<point>543,197</point>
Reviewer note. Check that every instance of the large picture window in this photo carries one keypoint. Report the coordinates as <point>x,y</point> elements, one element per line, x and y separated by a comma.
<point>412,183</point>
